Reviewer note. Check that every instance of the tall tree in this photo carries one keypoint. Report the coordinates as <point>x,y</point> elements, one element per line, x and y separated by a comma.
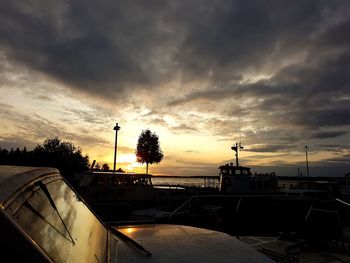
<point>62,155</point>
<point>148,149</point>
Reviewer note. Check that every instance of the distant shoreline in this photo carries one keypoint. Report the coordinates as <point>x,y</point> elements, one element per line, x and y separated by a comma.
<point>280,177</point>
<point>188,176</point>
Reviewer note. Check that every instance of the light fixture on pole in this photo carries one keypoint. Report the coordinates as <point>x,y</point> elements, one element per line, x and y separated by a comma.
<point>307,160</point>
<point>116,128</point>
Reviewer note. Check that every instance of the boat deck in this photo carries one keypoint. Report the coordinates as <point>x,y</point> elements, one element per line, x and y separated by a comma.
<point>299,250</point>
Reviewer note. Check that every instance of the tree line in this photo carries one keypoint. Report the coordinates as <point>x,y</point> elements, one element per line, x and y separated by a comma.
<point>62,155</point>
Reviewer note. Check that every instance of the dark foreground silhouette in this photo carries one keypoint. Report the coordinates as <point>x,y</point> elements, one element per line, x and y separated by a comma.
<point>62,155</point>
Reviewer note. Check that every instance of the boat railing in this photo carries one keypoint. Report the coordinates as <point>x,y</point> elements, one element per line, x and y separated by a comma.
<point>196,197</point>
<point>169,187</point>
<point>266,214</point>
<point>344,208</point>
<point>343,202</point>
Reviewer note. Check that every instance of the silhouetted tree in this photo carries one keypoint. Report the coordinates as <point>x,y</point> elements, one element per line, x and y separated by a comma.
<point>16,157</point>
<point>62,155</point>
<point>148,149</point>
<point>4,156</point>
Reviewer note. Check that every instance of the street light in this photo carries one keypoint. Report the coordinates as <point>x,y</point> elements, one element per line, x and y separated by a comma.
<point>116,128</point>
<point>307,160</point>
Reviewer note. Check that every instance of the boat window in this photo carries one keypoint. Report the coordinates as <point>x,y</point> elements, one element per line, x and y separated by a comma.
<point>62,225</point>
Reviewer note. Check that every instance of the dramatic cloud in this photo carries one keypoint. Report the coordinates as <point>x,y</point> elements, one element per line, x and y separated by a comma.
<point>270,73</point>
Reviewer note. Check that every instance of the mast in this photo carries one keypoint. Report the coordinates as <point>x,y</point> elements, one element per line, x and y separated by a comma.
<point>236,148</point>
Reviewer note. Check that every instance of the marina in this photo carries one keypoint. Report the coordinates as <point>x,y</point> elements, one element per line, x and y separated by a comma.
<point>43,215</point>
<point>175,131</point>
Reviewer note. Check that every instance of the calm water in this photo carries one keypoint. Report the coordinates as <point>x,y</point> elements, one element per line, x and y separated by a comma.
<point>198,182</point>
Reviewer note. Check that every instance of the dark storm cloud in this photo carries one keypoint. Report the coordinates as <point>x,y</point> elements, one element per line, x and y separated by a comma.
<point>334,147</point>
<point>322,118</point>
<point>104,46</point>
<point>270,148</point>
<point>110,47</point>
<point>340,160</point>
<point>329,134</point>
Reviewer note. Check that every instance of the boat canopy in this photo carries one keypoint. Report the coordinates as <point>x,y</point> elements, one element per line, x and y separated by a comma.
<point>12,178</point>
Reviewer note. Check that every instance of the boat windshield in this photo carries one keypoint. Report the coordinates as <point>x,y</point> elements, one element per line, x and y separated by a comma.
<point>60,223</point>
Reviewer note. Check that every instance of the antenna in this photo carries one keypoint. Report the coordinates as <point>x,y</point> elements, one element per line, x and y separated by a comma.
<point>239,127</point>
<point>239,130</point>
<point>238,146</point>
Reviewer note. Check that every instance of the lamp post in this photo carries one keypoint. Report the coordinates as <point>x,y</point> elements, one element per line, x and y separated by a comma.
<point>116,128</point>
<point>307,160</point>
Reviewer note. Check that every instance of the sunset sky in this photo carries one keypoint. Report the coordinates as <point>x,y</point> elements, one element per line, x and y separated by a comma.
<point>194,72</point>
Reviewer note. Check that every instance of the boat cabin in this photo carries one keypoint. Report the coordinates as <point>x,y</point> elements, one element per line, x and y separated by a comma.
<point>230,169</point>
<point>240,180</point>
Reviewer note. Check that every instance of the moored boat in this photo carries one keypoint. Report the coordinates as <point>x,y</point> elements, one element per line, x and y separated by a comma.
<point>42,219</point>
<point>239,180</point>
<point>114,195</point>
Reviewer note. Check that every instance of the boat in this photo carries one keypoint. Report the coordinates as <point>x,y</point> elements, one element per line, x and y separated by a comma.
<point>43,219</point>
<point>286,228</point>
<point>236,179</point>
<point>240,180</point>
<point>254,209</point>
<point>109,186</point>
<point>113,195</point>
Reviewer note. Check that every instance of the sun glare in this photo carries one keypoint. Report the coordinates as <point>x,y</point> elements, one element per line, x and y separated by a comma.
<point>128,162</point>
<point>127,158</point>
